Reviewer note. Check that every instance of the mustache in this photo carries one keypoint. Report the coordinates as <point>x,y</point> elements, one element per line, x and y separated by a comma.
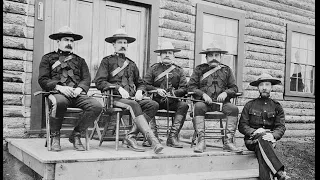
<point>68,47</point>
<point>123,48</point>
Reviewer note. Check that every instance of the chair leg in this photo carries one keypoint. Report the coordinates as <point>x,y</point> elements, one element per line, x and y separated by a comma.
<point>222,131</point>
<point>48,138</point>
<point>96,128</point>
<point>87,140</point>
<point>117,130</point>
<point>104,130</point>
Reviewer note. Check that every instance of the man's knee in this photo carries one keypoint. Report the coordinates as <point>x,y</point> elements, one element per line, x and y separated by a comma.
<point>183,106</point>
<point>200,109</point>
<point>230,109</point>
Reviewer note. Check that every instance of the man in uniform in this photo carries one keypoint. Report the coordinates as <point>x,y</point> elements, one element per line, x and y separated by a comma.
<point>119,71</point>
<point>262,122</point>
<point>214,81</point>
<point>67,74</point>
<point>168,79</point>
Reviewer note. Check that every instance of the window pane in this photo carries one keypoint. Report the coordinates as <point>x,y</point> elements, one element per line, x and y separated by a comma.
<point>311,43</point>
<point>219,25</point>
<point>308,86</point>
<point>207,40</point>
<point>231,45</point>
<point>295,39</point>
<point>232,27</point>
<point>304,41</point>
<point>229,61</point>
<point>207,23</point>
<point>309,72</point>
<point>303,56</point>
<point>311,57</point>
<point>295,55</point>
<point>219,41</point>
<point>296,83</point>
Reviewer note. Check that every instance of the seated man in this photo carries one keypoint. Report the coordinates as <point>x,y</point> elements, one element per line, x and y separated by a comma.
<point>119,71</point>
<point>214,81</point>
<point>68,74</point>
<point>168,79</point>
<point>262,122</point>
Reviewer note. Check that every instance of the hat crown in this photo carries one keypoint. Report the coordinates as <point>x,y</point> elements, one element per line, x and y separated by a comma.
<point>264,76</point>
<point>65,30</point>
<point>120,32</point>
<point>166,45</point>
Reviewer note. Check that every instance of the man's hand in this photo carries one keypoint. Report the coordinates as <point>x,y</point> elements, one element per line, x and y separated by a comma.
<point>66,90</point>
<point>124,94</point>
<point>260,130</point>
<point>77,91</point>
<point>162,92</point>
<point>268,137</point>
<point>138,96</point>
<point>222,97</point>
<point>207,98</point>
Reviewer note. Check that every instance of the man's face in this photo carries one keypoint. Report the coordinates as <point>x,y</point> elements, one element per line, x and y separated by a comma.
<point>120,46</point>
<point>265,89</point>
<point>166,56</point>
<point>65,44</point>
<point>213,56</point>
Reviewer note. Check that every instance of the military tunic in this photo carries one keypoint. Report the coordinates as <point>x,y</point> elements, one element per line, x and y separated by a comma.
<point>177,84</point>
<point>213,85</point>
<point>129,79</point>
<point>67,69</point>
<point>268,114</point>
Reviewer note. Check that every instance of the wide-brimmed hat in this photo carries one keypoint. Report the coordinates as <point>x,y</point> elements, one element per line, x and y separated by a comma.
<point>120,34</point>
<point>213,48</point>
<point>166,46</point>
<point>65,31</point>
<point>265,78</point>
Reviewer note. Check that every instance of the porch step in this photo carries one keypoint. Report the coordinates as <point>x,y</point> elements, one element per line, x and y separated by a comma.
<point>248,174</point>
<point>104,162</point>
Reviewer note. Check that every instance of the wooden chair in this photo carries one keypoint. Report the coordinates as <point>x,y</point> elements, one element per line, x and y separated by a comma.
<point>71,116</point>
<point>163,129</point>
<point>213,132</point>
<point>107,113</point>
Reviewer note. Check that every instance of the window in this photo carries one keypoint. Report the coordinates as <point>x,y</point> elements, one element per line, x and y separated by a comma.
<point>225,29</point>
<point>300,63</point>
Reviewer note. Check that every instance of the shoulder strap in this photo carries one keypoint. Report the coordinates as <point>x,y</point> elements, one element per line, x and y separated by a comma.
<point>210,72</point>
<point>164,73</point>
<point>118,69</point>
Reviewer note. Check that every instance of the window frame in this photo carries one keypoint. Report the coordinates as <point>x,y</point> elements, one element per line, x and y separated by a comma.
<point>225,13</point>
<point>289,95</point>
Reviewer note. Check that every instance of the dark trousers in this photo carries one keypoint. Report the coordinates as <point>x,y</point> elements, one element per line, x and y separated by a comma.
<point>59,104</point>
<point>137,108</point>
<point>180,107</point>
<point>269,164</point>
<point>229,109</point>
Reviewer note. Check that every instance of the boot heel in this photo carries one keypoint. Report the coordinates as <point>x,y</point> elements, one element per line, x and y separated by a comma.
<point>158,148</point>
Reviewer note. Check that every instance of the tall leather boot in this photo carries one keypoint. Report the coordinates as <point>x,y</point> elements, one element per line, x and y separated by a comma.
<point>154,128</point>
<point>130,139</point>
<point>198,124</point>
<point>55,126</point>
<point>177,124</point>
<point>231,126</point>
<point>75,140</point>
<point>143,126</point>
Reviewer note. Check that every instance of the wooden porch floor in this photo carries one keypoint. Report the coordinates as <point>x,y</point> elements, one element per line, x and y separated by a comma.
<point>33,153</point>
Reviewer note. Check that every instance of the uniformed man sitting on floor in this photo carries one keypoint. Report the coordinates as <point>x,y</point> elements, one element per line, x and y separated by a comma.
<point>214,81</point>
<point>168,79</point>
<point>262,122</point>
<point>67,74</point>
<point>119,71</point>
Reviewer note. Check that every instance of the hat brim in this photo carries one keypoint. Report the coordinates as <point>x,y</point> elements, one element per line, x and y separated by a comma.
<point>273,82</point>
<point>161,50</point>
<point>206,52</point>
<point>58,36</point>
<point>112,39</point>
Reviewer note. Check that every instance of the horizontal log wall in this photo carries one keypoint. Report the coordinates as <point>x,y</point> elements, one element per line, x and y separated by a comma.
<point>265,43</point>
<point>18,33</point>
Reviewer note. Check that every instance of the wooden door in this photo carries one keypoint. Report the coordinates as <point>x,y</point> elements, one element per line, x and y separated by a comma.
<point>95,20</point>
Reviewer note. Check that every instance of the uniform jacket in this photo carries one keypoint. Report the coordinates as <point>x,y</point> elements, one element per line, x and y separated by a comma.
<point>177,79</point>
<point>65,69</point>
<point>220,81</point>
<point>128,78</point>
<point>262,113</point>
